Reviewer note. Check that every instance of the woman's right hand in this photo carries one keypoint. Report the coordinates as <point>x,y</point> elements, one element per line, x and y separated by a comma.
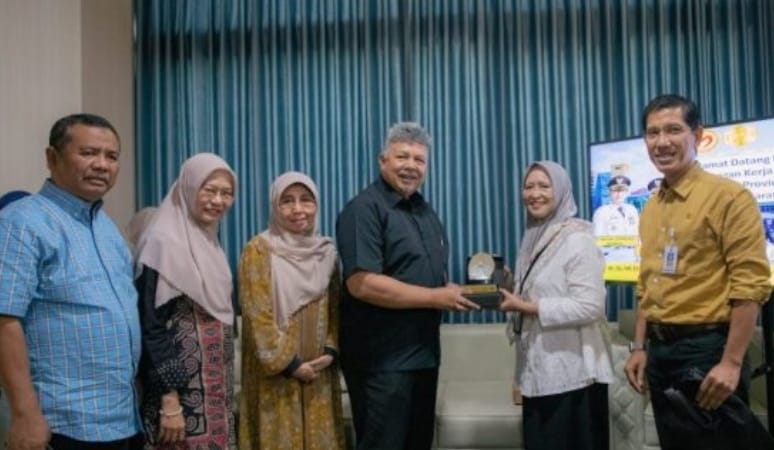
<point>171,424</point>
<point>517,303</point>
<point>305,373</point>
<point>172,429</point>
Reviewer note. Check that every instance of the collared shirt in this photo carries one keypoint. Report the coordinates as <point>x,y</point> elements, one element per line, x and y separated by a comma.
<point>66,273</point>
<point>616,220</point>
<point>715,225</point>
<point>380,232</point>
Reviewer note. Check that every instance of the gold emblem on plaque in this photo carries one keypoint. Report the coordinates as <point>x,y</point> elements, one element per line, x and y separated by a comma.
<point>484,275</point>
<point>481,267</point>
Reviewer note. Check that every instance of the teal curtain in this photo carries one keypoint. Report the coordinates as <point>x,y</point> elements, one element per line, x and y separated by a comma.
<point>312,85</point>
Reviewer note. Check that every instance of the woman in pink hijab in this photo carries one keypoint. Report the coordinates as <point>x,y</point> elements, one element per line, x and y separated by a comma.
<point>185,285</point>
<point>288,289</point>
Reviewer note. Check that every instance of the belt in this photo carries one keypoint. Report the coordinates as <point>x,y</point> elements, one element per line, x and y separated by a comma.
<point>664,332</point>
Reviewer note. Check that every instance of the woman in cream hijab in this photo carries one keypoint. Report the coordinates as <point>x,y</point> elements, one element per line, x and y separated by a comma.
<point>185,285</point>
<point>137,224</point>
<point>288,289</point>
<point>563,361</point>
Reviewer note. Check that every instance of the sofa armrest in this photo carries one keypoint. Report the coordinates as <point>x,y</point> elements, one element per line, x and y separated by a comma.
<point>627,407</point>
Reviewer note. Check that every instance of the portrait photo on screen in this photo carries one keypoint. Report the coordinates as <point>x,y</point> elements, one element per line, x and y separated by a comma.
<point>623,179</point>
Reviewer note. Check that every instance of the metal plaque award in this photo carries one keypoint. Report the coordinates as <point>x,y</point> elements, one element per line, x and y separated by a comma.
<point>484,278</point>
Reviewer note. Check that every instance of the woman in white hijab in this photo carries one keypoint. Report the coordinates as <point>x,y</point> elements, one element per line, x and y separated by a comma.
<point>288,290</point>
<point>185,285</point>
<point>557,318</point>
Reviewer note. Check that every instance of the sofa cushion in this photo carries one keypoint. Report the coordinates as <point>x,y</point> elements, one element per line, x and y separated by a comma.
<point>478,415</point>
<point>627,319</point>
<point>476,352</point>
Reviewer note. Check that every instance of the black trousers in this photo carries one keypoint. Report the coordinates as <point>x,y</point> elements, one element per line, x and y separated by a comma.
<point>669,362</point>
<point>575,420</point>
<point>62,442</point>
<point>393,410</point>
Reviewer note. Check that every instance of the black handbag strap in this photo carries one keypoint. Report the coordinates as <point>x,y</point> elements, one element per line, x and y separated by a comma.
<point>531,265</point>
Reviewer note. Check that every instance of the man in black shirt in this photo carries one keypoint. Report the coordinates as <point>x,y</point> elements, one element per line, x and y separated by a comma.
<point>394,253</point>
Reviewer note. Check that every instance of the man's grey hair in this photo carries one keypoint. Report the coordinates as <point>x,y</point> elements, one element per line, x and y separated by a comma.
<point>407,133</point>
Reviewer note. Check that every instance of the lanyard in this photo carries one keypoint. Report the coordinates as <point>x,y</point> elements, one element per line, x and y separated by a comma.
<point>520,320</point>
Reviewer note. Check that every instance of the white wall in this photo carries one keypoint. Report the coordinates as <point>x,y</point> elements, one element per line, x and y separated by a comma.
<point>40,80</point>
<point>107,85</point>
<point>59,57</point>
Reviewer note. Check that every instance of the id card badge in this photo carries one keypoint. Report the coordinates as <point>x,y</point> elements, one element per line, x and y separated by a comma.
<point>669,263</point>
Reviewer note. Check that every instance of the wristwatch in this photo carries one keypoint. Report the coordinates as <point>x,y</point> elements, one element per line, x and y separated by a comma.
<point>634,346</point>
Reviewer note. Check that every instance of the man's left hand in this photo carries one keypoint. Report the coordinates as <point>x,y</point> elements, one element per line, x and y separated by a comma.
<point>718,385</point>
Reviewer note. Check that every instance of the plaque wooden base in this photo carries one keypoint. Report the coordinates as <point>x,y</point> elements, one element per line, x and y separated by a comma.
<point>485,295</point>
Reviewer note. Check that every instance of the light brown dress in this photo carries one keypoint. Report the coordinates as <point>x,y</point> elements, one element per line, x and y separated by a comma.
<point>279,412</point>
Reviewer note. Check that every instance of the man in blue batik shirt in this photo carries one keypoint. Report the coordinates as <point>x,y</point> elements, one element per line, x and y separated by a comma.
<point>69,324</point>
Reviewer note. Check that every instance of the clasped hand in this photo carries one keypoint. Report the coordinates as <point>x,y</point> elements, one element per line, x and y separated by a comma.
<point>310,370</point>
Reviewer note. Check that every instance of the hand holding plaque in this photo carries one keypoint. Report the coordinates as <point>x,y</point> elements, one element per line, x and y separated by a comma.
<point>485,276</point>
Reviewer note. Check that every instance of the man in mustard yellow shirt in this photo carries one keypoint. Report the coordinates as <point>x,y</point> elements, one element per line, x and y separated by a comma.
<point>703,278</point>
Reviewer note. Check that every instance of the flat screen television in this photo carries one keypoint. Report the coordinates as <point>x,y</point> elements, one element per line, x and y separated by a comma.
<point>623,178</point>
